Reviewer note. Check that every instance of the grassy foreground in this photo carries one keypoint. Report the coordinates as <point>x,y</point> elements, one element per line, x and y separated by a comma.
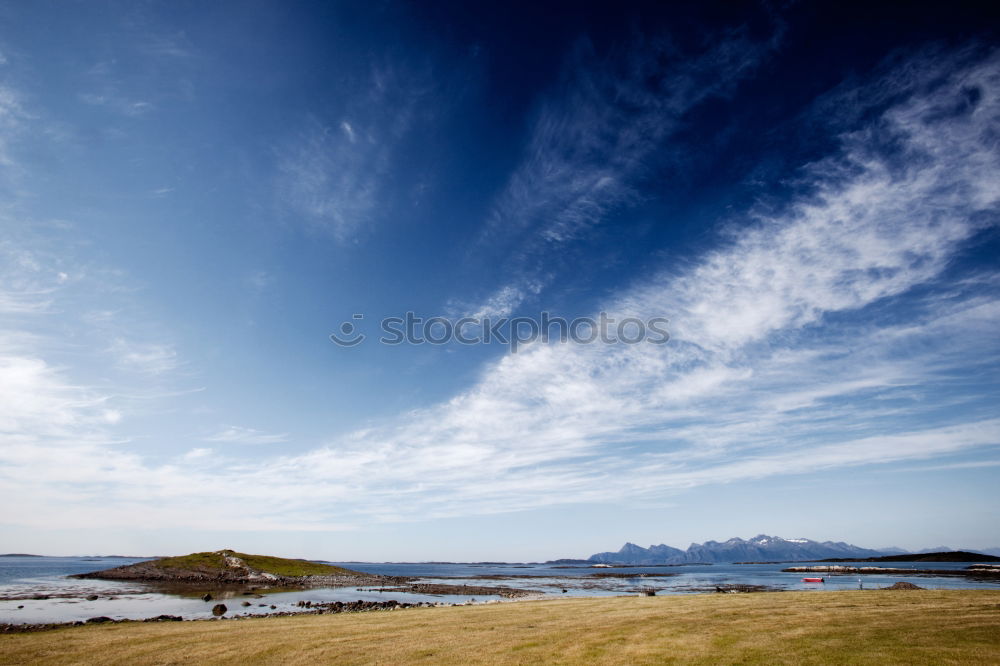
<point>884,627</point>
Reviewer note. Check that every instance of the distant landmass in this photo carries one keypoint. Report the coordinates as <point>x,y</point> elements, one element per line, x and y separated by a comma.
<point>944,556</point>
<point>568,560</point>
<point>20,555</point>
<point>984,551</point>
<point>758,549</point>
<point>939,549</point>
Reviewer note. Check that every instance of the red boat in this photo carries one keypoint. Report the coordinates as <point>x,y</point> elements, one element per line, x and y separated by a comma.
<point>812,580</point>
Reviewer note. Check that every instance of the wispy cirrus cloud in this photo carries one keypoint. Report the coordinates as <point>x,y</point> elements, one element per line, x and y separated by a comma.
<point>328,181</point>
<point>821,335</point>
<point>241,435</point>
<point>972,464</point>
<point>146,357</point>
<point>593,140</point>
<point>172,46</point>
<point>767,372</point>
<point>29,285</point>
<point>330,175</point>
<point>117,103</point>
<point>13,117</point>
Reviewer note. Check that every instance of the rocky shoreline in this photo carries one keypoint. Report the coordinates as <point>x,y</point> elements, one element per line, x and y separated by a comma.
<point>441,588</point>
<point>308,608</point>
<point>361,606</point>
<point>982,571</point>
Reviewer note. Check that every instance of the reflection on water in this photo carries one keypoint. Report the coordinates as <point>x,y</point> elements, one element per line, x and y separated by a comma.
<point>68,600</point>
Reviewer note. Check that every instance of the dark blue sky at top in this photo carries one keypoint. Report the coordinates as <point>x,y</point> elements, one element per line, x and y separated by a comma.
<point>221,184</point>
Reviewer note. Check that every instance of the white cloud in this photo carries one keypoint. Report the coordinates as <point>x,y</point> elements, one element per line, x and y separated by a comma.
<point>330,176</point>
<point>28,282</point>
<point>503,302</point>
<point>173,46</point>
<point>329,183</point>
<point>348,130</point>
<point>801,344</point>
<point>13,117</point>
<point>241,435</point>
<point>117,103</point>
<point>145,357</point>
<point>758,380</point>
<point>37,399</point>
<point>971,464</point>
<point>592,142</point>
<point>197,454</point>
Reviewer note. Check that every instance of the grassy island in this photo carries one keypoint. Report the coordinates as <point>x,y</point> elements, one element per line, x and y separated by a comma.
<point>223,560</point>
<point>228,566</point>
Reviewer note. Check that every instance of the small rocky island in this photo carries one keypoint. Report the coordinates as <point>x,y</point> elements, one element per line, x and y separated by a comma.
<point>229,567</point>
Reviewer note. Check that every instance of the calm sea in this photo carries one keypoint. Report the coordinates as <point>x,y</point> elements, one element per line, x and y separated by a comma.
<point>23,580</point>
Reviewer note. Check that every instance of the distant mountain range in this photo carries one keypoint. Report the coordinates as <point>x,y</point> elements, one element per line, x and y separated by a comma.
<point>761,548</point>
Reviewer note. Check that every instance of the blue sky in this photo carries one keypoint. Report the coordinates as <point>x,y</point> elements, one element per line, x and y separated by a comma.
<point>194,197</point>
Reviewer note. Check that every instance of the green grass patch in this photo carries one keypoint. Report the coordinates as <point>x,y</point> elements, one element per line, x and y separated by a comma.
<point>213,562</point>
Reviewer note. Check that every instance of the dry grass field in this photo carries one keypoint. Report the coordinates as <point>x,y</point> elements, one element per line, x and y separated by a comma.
<point>873,627</point>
